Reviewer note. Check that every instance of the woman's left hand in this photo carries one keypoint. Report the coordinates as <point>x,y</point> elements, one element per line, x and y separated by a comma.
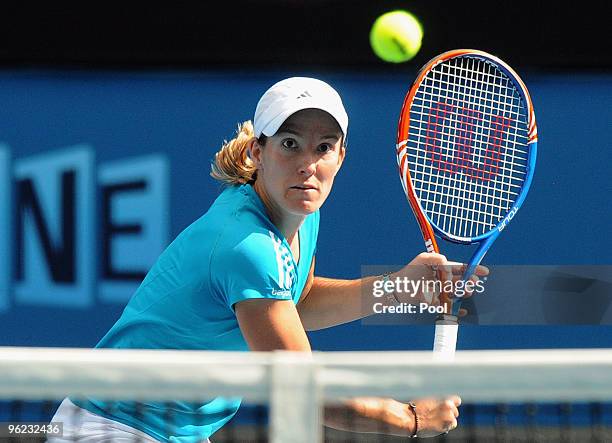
<point>431,278</point>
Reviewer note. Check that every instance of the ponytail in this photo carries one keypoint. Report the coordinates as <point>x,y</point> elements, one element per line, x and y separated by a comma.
<point>232,164</point>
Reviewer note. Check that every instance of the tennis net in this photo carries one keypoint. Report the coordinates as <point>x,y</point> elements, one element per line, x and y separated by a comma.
<point>528,395</point>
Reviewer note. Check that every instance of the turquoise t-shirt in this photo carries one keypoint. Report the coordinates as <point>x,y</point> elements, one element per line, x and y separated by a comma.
<point>186,301</point>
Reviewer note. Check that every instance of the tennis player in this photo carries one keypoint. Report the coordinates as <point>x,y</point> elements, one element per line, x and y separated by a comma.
<point>241,277</point>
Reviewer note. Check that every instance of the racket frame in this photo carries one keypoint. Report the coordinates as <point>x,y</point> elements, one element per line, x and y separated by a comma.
<point>428,228</point>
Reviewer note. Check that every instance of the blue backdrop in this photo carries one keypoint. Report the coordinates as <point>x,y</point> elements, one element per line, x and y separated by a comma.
<point>185,116</point>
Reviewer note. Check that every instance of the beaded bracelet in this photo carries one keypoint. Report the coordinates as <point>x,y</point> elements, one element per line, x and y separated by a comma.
<point>416,419</point>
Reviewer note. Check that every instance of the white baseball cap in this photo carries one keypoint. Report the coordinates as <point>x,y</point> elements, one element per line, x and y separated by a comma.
<point>288,96</point>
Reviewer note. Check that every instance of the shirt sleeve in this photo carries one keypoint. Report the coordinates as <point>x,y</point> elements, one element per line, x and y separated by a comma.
<point>259,266</point>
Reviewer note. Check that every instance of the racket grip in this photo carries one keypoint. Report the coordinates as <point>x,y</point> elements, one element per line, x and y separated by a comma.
<point>445,340</point>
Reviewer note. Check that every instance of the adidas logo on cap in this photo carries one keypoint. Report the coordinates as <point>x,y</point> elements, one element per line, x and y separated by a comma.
<point>304,95</point>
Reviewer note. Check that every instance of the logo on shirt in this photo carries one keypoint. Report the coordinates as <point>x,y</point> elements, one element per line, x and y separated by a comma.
<point>283,293</point>
<point>284,264</point>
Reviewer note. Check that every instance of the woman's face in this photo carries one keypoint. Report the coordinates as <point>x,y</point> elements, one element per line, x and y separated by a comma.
<point>297,166</point>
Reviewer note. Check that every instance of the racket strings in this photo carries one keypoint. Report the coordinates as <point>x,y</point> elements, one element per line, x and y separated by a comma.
<point>467,146</point>
<point>481,127</point>
<point>512,170</point>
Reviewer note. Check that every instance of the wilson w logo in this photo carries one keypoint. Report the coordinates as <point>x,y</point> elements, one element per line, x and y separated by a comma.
<point>462,126</point>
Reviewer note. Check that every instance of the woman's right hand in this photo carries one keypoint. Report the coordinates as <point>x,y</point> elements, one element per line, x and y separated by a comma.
<point>436,416</point>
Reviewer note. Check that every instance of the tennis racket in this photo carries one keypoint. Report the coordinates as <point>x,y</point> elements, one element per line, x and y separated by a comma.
<point>466,151</point>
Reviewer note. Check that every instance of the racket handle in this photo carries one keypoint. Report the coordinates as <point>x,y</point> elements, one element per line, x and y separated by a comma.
<point>445,341</point>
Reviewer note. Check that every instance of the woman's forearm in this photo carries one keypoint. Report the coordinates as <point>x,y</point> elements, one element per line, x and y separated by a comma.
<point>374,415</point>
<point>332,302</point>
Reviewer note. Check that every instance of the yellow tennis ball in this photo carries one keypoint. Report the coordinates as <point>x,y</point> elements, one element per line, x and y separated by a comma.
<point>396,36</point>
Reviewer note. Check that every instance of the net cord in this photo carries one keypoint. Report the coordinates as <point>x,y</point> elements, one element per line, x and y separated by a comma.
<point>296,385</point>
<point>555,375</point>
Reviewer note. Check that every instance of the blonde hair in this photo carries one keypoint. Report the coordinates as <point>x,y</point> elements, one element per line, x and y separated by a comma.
<point>232,164</point>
